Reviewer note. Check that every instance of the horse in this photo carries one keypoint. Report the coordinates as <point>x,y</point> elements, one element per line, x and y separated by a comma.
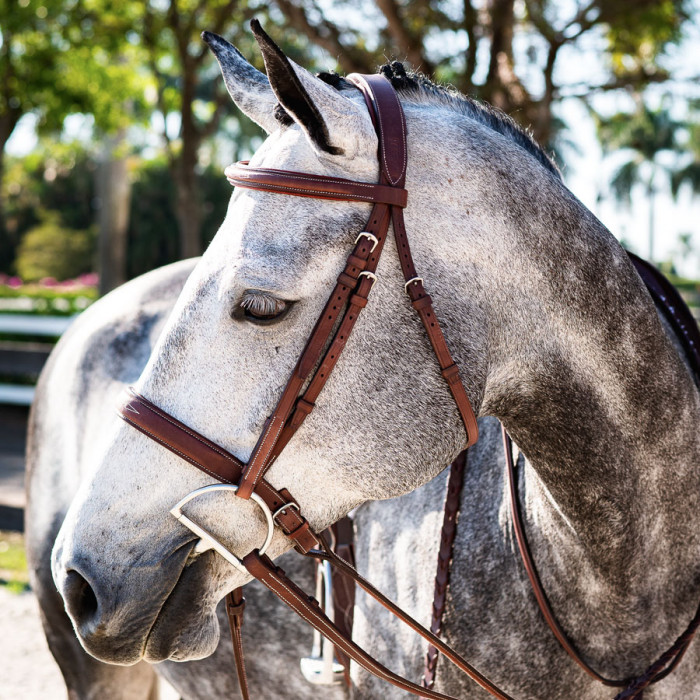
<point>106,348</point>
<point>553,331</point>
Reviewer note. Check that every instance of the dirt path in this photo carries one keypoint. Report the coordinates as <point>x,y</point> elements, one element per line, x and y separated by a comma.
<point>28,669</point>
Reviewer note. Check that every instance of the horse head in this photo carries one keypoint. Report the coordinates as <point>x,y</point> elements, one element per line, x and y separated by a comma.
<point>132,581</point>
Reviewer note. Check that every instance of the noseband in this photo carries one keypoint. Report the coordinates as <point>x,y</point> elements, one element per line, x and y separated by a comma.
<point>297,401</point>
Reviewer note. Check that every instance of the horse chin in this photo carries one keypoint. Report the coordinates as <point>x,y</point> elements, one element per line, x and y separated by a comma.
<point>186,628</point>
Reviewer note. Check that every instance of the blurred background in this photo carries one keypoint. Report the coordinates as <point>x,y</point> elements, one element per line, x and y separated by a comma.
<point>115,128</point>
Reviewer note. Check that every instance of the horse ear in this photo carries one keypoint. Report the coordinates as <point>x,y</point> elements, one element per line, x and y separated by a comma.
<point>248,87</point>
<point>332,122</point>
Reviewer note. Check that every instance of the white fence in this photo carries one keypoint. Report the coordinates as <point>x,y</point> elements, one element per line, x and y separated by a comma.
<point>29,326</point>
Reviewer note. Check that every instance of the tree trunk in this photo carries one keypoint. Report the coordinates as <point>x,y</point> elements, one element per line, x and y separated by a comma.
<point>188,210</point>
<point>114,193</point>
<point>188,207</point>
<point>651,194</point>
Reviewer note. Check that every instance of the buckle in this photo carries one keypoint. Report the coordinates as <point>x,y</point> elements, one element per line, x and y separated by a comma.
<point>411,281</point>
<point>282,509</point>
<point>367,273</point>
<point>371,237</point>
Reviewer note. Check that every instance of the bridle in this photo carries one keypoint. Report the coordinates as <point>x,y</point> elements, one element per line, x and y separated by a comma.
<point>297,401</point>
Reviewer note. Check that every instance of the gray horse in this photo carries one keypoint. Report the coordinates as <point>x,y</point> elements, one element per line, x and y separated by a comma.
<point>554,333</point>
<point>103,351</point>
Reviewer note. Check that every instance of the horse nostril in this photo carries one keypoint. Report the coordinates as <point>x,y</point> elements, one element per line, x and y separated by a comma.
<point>81,601</point>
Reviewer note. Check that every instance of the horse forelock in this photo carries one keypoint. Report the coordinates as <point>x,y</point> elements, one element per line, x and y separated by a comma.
<point>416,88</point>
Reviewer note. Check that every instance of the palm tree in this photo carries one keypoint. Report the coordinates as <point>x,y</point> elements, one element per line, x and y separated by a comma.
<point>689,174</point>
<point>645,135</point>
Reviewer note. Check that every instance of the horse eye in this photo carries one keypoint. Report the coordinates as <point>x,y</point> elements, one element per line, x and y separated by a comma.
<point>263,307</point>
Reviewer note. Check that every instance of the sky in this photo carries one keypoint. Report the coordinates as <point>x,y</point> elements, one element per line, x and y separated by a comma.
<point>586,172</point>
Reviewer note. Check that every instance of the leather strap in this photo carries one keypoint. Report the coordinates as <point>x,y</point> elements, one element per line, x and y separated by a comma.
<point>241,174</point>
<point>633,687</point>
<point>674,309</point>
<point>442,577</point>
<point>214,460</point>
<point>308,609</point>
<point>344,589</point>
<point>235,605</point>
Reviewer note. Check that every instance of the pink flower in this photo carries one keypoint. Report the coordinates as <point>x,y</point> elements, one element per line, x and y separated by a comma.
<point>89,279</point>
<point>14,282</point>
<point>48,281</point>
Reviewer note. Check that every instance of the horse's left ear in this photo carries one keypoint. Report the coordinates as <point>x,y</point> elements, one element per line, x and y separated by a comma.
<point>332,122</point>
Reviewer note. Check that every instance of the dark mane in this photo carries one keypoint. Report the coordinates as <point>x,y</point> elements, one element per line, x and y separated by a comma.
<point>417,87</point>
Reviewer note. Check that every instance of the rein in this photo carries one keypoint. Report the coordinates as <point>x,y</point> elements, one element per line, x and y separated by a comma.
<point>315,364</point>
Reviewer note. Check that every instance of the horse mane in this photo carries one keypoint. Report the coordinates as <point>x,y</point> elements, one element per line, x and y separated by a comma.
<point>419,89</point>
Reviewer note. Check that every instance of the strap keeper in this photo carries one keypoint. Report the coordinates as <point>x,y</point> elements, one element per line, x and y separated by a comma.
<point>357,300</point>
<point>347,280</point>
<point>305,406</point>
<point>420,304</point>
<point>451,374</point>
<point>304,537</point>
<point>235,610</point>
<point>356,261</point>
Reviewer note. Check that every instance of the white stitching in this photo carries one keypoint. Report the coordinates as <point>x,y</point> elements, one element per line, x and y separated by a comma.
<point>272,187</point>
<point>208,443</point>
<point>310,178</point>
<point>254,475</point>
<point>187,458</point>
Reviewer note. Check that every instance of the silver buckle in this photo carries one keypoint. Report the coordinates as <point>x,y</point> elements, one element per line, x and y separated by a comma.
<point>371,237</point>
<point>283,508</point>
<point>208,541</point>
<point>369,274</point>
<point>411,281</point>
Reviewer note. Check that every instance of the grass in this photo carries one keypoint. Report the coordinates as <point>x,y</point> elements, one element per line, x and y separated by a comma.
<point>13,562</point>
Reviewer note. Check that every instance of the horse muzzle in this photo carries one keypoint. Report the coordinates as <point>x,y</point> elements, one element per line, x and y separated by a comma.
<point>158,609</point>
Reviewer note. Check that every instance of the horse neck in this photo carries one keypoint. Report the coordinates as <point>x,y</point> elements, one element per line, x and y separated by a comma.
<point>587,381</point>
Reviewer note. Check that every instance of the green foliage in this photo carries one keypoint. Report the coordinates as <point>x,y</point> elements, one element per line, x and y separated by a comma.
<point>68,57</point>
<point>13,562</point>
<point>52,250</point>
<point>644,134</point>
<point>637,35</point>
<point>58,177</point>
<point>57,182</point>
<point>153,237</point>
<point>43,299</point>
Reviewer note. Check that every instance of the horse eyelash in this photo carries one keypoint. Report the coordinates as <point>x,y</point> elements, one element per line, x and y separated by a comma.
<point>262,303</point>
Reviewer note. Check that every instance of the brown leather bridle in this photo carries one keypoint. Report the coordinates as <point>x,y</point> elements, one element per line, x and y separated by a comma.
<point>314,366</point>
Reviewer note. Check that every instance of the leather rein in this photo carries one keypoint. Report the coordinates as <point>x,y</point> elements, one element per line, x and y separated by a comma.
<point>297,401</point>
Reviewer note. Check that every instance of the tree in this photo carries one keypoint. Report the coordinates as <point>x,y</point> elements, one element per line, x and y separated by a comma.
<point>64,58</point>
<point>425,33</point>
<point>188,87</point>
<point>646,136</point>
<point>689,173</point>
